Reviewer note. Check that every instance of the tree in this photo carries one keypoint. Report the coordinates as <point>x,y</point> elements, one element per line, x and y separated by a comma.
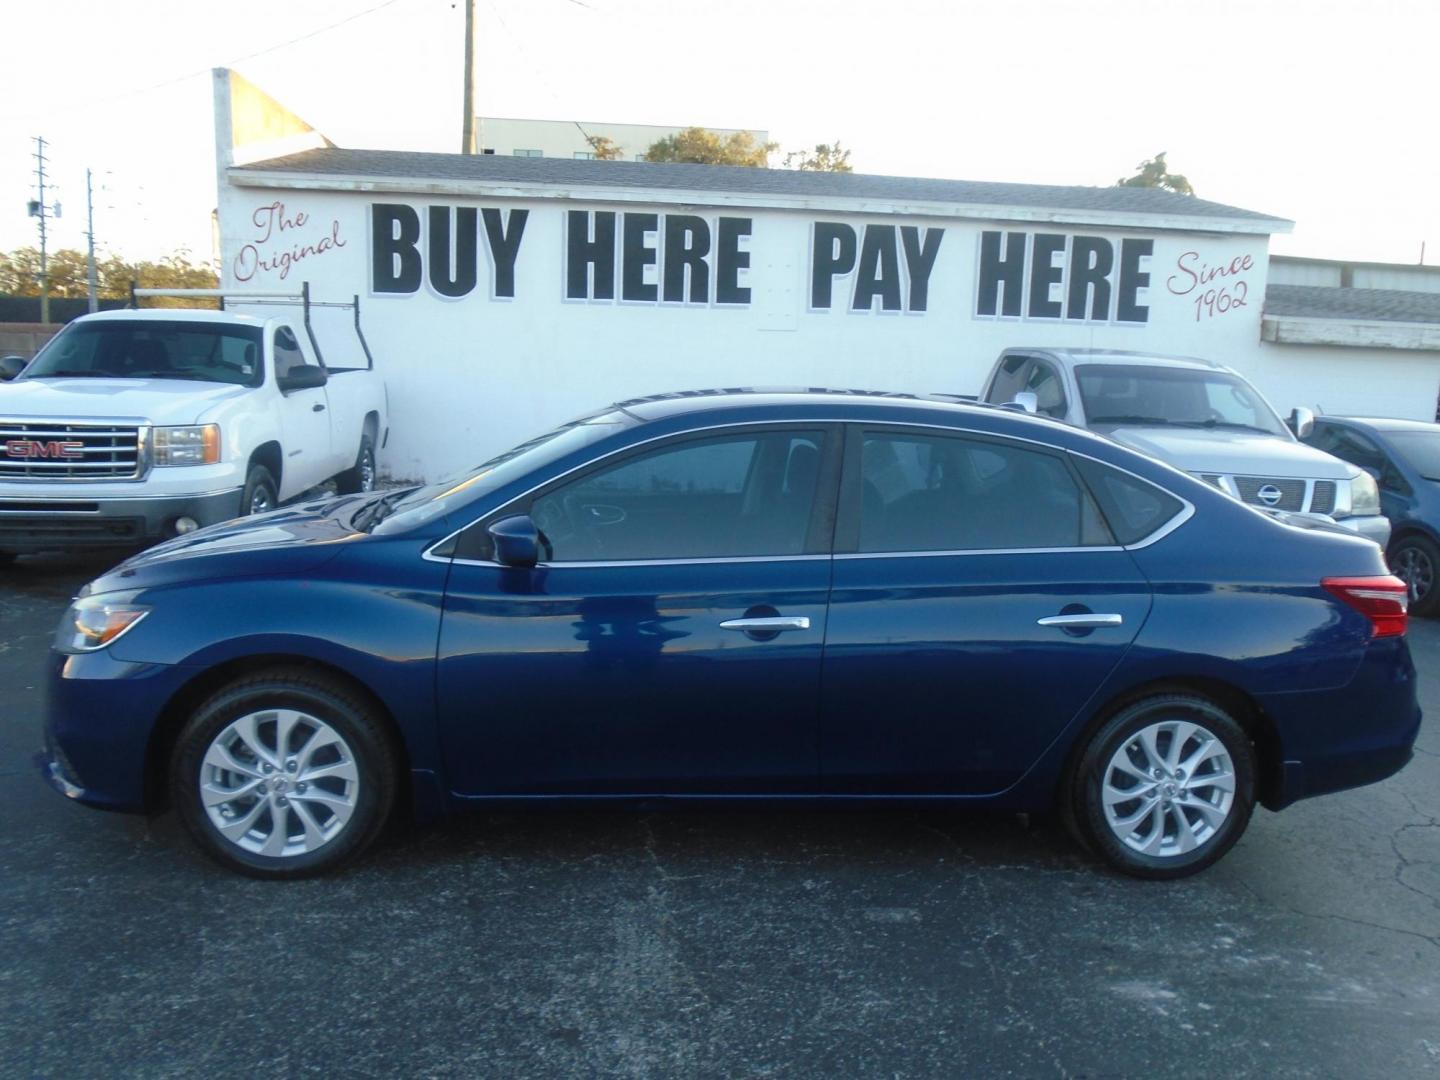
<point>1153,173</point>
<point>20,275</point>
<point>604,147</point>
<point>824,158</point>
<point>700,146</point>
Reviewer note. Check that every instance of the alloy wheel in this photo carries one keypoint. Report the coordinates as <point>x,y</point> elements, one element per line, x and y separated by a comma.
<point>367,470</point>
<point>1414,567</point>
<point>279,782</point>
<point>260,501</point>
<point>1168,789</point>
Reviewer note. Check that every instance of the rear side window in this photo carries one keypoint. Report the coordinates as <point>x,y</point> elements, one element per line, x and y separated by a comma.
<point>1134,508</point>
<point>940,493</point>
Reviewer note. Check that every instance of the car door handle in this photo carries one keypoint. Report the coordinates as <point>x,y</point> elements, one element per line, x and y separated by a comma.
<point>771,622</point>
<point>1085,620</point>
<point>317,408</point>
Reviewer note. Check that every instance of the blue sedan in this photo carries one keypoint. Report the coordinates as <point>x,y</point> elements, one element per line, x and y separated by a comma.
<point>724,595</point>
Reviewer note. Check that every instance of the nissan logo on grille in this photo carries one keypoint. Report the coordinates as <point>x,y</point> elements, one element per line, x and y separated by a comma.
<point>1270,495</point>
<point>31,448</point>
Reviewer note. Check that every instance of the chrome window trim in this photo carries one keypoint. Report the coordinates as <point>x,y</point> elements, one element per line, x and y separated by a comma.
<point>1186,513</point>
<point>924,554</point>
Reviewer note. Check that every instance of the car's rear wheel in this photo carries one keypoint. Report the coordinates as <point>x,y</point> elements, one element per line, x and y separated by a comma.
<point>283,774</point>
<point>1164,788</point>
<point>1415,560</point>
<point>360,477</point>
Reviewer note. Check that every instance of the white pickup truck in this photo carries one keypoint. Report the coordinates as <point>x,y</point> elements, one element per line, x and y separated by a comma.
<point>133,426</point>
<point>1198,416</point>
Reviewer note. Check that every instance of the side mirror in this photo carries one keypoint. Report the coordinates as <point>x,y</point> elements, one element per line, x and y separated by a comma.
<point>11,366</point>
<point>517,541</point>
<point>1024,401</point>
<point>307,377</point>
<point>1301,421</point>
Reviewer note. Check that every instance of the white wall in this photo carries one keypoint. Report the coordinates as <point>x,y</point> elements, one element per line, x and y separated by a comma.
<point>1348,382</point>
<point>471,376</point>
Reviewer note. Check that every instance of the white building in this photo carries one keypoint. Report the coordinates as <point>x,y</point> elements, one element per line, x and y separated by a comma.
<point>571,138</point>
<point>503,295</point>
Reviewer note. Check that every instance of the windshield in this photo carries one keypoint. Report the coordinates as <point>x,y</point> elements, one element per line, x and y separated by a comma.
<point>152,349</point>
<point>1185,397</point>
<point>419,505</point>
<point>1420,448</point>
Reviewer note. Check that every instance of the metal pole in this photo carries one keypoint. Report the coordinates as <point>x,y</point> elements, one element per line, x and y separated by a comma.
<point>90,239</point>
<point>467,130</point>
<point>44,265</point>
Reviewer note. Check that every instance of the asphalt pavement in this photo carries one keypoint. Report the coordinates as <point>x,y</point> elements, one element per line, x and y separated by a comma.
<point>727,943</point>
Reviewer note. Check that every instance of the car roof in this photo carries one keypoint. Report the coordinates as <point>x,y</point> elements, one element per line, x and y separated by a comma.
<point>208,315</point>
<point>684,402</point>
<point>1119,356</point>
<point>1383,423</point>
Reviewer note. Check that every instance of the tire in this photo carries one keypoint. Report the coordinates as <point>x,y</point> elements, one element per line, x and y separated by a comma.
<point>1415,560</point>
<point>259,495</point>
<point>309,806</point>
<point>360,477</point>
<point>1142,735</point>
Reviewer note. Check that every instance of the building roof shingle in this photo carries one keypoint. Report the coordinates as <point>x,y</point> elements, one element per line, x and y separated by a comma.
<point>782,183</point>
<point>1365,305</point>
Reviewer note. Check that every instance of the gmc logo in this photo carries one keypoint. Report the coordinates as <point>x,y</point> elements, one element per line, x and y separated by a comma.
<point>31,448</point>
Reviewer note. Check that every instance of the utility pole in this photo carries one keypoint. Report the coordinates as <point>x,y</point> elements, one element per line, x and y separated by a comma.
<point>90,241</point>
<point>467,130</point>
<point>41,210</point>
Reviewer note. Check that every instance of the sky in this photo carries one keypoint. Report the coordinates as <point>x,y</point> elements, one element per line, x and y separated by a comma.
<point>1319,111</point>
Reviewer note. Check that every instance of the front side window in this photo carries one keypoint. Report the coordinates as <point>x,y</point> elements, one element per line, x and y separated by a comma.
<point>1118,395</point>
<point>1009,379</point>
<point>942,493</point>
<point>728,497</point>
<point>288,356</point>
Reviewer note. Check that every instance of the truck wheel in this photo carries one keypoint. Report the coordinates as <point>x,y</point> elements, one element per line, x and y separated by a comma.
<point>286,773</point>
<point>258,497</point>
<point>1164,788</point>
<point>360,476</point>
<point>1415,560</point>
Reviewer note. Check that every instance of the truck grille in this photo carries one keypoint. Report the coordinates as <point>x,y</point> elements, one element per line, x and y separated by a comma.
<point>1292,493</point>
<point>51,450</point>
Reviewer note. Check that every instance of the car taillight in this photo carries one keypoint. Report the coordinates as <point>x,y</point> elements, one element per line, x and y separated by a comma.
<point>1384,600</point>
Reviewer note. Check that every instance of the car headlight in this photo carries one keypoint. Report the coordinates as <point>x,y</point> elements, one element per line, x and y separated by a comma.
<point>1364,494</point>
<point>198,445</point>
<point>94,622</point>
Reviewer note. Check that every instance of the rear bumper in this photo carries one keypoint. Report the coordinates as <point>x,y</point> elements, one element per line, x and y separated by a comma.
<point>29,524</point>
<point>1344,737</point>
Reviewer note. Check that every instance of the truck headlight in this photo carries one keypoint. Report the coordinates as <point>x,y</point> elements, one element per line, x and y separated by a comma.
<point>94,622</point>
<point>198,445</point>
<point>1364,494</point>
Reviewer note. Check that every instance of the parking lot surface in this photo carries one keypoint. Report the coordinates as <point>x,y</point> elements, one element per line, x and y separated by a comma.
<point>746,942</point>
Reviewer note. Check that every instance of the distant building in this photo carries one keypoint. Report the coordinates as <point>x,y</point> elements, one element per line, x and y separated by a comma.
<point>571,139</point>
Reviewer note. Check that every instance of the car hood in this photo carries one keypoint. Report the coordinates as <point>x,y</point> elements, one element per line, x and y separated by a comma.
<point>295,540</point>
<point>156,401</point>
<point>1227,451</point>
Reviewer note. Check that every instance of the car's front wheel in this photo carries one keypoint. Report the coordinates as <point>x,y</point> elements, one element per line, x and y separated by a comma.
<point>1164,788</point>
<point>360,477</point>
<point>283,774</point>
<point>1415,560</point>
<point>258,496</point>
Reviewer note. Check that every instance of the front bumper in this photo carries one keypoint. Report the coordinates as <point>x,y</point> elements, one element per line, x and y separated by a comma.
<point>100,716</point>
<point>29,524</point>
<point>1371,526</point>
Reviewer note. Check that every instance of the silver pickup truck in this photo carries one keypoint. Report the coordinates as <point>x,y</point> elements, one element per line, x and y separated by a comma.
<point>1198,416</point>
